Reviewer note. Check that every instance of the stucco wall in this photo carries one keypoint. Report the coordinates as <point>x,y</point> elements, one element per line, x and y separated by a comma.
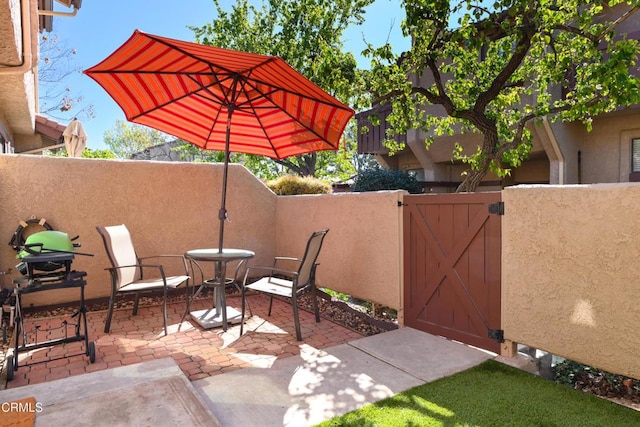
<point>570,272</point>
<point>362,254</point>
<point>168,207</point>
<point>172,207</point>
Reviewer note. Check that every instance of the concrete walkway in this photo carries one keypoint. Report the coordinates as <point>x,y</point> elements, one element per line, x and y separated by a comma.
<point>154,393</point>
<point>296,391</point>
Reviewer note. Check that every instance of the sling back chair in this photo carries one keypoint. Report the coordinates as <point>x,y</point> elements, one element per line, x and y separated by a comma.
<point>127,271</point>
<point>289,284</point>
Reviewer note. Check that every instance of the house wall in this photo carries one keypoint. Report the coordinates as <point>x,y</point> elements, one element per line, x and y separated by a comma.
<point>570,272</point>
<point>18,101</point>
<point>606,150</point>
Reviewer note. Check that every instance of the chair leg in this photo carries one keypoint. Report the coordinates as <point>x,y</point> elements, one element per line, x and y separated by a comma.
<point>270,304</point>
<point>164,310</point>
<point>241,289</point>
<point>316,310</point>
<point>296,319</point>
<point>135,304</point>
<point>242,312</point>
<point>188,298</point>
<point>107,323</point>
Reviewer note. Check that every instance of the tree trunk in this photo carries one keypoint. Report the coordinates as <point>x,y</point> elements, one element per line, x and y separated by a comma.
<point>473,179</point>
<point>305,166</point>
<point>490,142</point>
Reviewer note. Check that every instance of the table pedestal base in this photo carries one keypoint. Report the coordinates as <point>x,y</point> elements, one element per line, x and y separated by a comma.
<point>208,319</point>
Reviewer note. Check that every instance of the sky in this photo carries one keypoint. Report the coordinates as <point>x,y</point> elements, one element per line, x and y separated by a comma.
<point>100,27</point>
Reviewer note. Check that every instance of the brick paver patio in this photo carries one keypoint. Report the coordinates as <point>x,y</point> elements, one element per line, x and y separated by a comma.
<point>199,353</point>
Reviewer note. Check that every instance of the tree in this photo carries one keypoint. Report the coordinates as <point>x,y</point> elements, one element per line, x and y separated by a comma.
<point>127,139</point>
<point>87,153</point>
<point>307,34</point>
<point>495,73</point>
<point>55,66</point>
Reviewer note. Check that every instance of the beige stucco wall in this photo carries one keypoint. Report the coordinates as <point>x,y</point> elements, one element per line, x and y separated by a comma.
<point>168,207</point>
<point>362,254</point>
<point>172,207</point>
<point>571,277</point>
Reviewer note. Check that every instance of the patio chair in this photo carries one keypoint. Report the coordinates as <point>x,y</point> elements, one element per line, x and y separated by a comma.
<point>127,271</point>
<point>286,283</point>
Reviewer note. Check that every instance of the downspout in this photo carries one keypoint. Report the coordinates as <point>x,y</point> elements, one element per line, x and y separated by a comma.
<point>29,45</point>
<point>54,13</point>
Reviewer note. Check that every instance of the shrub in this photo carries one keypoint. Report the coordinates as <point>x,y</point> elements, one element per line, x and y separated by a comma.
<point>386,179</point>
<point>290,185</point>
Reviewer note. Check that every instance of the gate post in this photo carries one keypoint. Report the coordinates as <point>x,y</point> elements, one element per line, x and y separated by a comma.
<point>508,349</point>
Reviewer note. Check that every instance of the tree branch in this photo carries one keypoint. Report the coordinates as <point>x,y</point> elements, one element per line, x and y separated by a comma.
<point>620,20</point>
<point>578,31</point>
<point>519,53</point>
<point>526,119</point>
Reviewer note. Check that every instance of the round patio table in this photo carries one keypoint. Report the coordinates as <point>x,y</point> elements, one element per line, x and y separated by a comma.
<point>220,314</point>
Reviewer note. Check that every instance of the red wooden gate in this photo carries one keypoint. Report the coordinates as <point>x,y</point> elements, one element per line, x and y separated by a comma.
<point>452,256</point>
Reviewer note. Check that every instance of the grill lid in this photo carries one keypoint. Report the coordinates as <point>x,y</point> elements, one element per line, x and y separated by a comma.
<point>46,242</point>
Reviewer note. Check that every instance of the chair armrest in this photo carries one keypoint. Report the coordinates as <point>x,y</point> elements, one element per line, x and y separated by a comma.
<point>286,258</point>
<point>289,262</point>
<point>141,266</point>
<point>181,257</point>
<point>271,269</point>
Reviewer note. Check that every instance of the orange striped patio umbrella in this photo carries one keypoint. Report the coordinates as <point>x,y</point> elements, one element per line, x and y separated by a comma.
<point>220,99</point>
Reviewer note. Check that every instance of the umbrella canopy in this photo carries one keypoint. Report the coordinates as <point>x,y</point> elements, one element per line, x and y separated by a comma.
<point>75,139</point>
<point>191,91</point>
<point>220,99</point>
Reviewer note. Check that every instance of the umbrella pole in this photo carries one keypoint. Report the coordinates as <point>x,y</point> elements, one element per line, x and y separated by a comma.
<point>222,214</point>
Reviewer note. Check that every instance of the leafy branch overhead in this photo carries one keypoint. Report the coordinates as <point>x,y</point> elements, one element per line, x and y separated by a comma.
<point>495,70</point>
<point>308,35</point>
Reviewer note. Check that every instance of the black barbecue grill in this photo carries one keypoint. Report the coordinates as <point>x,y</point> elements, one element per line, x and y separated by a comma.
<point>46,259</point>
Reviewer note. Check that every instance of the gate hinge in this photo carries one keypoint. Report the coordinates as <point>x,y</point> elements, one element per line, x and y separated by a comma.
<point>496,208</point>
<point>400,204</point>
<point>496,335</point>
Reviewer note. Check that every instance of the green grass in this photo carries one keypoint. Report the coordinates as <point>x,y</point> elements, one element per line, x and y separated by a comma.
<point>491,394</point>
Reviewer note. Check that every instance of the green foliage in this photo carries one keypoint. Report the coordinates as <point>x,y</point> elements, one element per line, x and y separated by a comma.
<point>336,295</point>
<point>87,153</point>
<point>289,185</point>
<point>385,179</point>
<point>308,35</point>
<point>126,139</point>
<point>501,68</point>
